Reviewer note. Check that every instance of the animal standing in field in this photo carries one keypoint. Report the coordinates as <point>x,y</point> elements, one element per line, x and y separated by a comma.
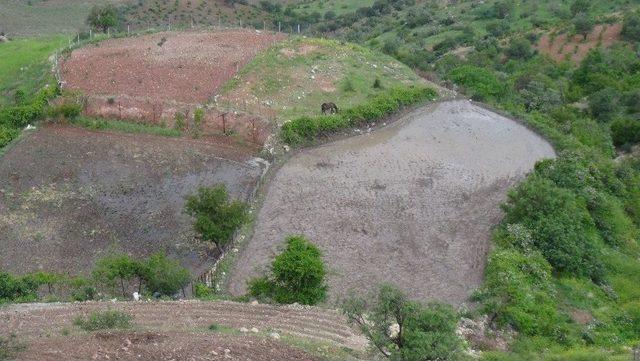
<point>330,107</point>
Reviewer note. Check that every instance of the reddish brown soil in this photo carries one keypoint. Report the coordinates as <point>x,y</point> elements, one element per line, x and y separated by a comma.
<point>152,77</point>
<point>576,48</point>
<point>188,67</point>
<point>69,195</point>
<point>175,330</point>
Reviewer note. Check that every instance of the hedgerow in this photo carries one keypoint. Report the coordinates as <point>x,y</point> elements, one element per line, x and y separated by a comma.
<point>305,129</point>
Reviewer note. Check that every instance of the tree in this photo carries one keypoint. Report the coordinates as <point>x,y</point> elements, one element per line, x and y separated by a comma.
<point>116,267</point>
<point>216,218</point>
<point>631,27</point>
<point>583,24</point>
<point>297,275</point>
<point>405,330</point>
<point>103,17</point>
<point>163,275</point>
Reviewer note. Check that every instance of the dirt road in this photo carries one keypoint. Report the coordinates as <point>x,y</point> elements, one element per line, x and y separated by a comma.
<point>412,203</point>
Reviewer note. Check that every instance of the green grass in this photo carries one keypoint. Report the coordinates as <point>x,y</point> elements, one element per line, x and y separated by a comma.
<point>24,65</point>
<point>124,127</point>
<point>299,74</point>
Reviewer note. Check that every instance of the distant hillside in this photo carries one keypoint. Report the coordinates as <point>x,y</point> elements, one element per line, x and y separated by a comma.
<point>45,17</point>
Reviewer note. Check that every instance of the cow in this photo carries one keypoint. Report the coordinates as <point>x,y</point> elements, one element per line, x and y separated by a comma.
<point>330,108</point>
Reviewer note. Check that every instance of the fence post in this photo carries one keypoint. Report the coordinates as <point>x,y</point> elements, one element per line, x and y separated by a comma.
<point>298,28</point>
<point>279,26</point>
<point>128,29</point>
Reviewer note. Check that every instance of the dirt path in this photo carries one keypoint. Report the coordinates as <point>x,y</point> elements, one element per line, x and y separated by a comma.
<point>412,203</point>
<point>177,328</point>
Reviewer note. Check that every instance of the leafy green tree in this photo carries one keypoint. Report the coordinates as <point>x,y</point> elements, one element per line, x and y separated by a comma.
<point>625,131</point>
<point>631,27</point>
<point>103,17</point>
<point>216,218</point>
<point>164,275</point>
<point>583,24</point>
<point>297,275</point>
<point>405,330</point>
<point>503,9</point>
<point>14,288</point>
<point>46,278</point>
<point>116,268</point>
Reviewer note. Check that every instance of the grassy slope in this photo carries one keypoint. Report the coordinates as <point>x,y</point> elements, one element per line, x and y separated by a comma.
<point>24,65</point>
<point>337,6</point>
<point>44,17</point>
<point>299,74</point>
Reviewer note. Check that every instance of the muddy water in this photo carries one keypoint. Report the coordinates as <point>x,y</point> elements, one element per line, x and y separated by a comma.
<point>412,203</point>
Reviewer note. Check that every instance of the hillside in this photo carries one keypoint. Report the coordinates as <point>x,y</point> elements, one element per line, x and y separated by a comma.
<point>294,77</point>
<point>45,17</point>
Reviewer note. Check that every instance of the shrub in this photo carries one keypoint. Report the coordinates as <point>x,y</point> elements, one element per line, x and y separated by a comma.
<point>625,132</point>
<point>520,48</point>
<point>561,227</point>
<point>7,135</point>
<point>406,330</point>
<point>68,110</point>
<point>104,320</point>
<point>297,275</point>
<point>180,123</point>
<point>163,275</point>
<point>631,27</point>
<point>519,291</point>
<point>604,104</point>
<point>15,288</point>
<point>216,217</point>
<point>481,82</point>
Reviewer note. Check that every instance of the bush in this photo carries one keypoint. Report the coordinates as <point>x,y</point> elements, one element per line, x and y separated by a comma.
<point>7,135</point>
<point>519,291</point>
<point>520,48</point>
<point>163,275</point>
<point>625,132</point>
<point>406,330</point>
<point>104,320</point>
<point>15,288</point>
<point>561,227</point>
<point>216,217</point>
<point>388,101</point>
<point>297,275</point>
<point>481,82</point>
<point>604,104</point>
<point>631,27</point>
<point>68,110</point>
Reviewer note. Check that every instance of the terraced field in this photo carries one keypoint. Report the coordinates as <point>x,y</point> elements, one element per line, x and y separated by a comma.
<point>178,330</point>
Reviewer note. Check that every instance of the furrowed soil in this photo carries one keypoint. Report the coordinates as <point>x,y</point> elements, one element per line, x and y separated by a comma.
<point>68,196</point>
<point>177,331</point>
<point>412,203</point>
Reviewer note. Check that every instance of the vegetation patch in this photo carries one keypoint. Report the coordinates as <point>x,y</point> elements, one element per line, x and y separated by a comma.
<point>306,129</point>
<point>297,275</point>
<point>104,320</point>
